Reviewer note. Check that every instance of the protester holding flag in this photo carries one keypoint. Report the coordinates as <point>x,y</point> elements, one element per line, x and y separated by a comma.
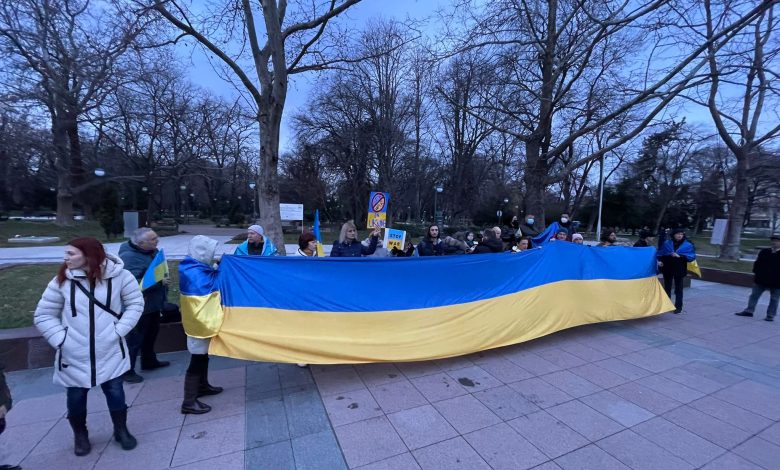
<point>348,246</point>
<point>673,258</point>
<point>86,313</point>
<point>142,258</point>
<point>431,244</point>
<point>256,243</point>
<point>490,243</point>
<point>307,245</point>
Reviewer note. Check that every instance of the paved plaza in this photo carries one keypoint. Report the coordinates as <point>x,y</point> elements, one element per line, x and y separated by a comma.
<point>698,390</point>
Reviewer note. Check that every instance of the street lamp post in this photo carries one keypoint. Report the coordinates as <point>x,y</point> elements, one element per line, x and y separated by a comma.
<point>499,212</point>
<point>183,189</point>
<point>252,186</point>
<point>436,216</point>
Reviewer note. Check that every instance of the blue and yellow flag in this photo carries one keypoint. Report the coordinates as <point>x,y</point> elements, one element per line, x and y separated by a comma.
<point>199,299</point>
<point>320,249</point>
<point>156,272</point>
<point>353,310</point>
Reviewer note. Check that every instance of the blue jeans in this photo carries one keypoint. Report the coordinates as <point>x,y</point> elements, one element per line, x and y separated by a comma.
<point>774,299</point>
<point>113,390</point>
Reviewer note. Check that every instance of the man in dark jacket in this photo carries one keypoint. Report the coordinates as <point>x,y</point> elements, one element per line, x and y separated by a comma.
<point>766,271</point>
<point>490,243</point>
<point>137,254</point>
<point>528,229</point>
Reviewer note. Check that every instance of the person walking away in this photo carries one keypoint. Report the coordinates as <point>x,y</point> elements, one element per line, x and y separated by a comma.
<point>348,246</point>
<point>137,255</point>
<point>673,258</point>
<point>256,243</point>
<point>200,255</point>
<point>85,313</point>
<point>766,276</point>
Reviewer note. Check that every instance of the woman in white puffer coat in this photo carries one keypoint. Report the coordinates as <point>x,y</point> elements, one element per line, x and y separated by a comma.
<point>84,314</point>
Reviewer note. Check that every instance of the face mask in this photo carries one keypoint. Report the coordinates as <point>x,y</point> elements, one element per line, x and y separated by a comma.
<point>530,221</point>
<point>564,219</point>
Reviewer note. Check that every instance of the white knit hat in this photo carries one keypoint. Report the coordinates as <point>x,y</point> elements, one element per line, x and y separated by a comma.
<point>257,229</point>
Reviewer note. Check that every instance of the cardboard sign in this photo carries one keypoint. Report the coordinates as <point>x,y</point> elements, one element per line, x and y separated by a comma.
<point>377,209</point>
<point>395,239</point>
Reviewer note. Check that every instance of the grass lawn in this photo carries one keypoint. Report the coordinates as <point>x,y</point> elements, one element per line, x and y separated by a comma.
<point>741,266</point>
<point>22,287</point>
<point>25,228</point>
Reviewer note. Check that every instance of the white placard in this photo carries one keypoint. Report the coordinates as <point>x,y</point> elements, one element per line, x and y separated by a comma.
<point>291,211</point>
<point>719,231</point>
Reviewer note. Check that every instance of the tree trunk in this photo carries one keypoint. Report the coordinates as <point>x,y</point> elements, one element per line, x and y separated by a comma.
<point>64,185</point>
<point>730,251</point>
<point>268,179</point>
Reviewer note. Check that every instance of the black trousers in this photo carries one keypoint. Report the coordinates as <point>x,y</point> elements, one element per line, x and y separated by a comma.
<point>141,339</point>
<point>678,289</point>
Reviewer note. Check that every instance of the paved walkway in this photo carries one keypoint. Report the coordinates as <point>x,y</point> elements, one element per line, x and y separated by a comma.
<point>698,390</point>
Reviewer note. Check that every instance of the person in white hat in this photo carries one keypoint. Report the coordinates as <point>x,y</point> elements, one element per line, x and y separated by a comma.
<point>256,244</point>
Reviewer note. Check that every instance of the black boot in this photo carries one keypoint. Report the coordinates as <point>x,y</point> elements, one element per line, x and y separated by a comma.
<point>191,404</point>
<point>81,445</point>
<point>206,388</point>
<point>121,434</point>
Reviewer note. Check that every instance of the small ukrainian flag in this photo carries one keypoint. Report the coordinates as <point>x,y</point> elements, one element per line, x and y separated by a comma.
<point>320,249</point>
<point>156,272</point>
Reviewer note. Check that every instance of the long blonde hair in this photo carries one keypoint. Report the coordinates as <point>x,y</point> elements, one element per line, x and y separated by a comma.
<point>347,225</point>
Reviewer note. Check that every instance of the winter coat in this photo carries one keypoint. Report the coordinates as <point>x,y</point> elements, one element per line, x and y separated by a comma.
<point>269,249</point>
<point>353,249</point>
<point>427,247</point>
<point>6,403</point>
<point>453,246</point>
<point>674,266</point>
<point>89,340</point>
<point>767,268</point>
<point>492,245</point>
<point>529,230</point>
<point>200,249</point>
<point>137,261</point>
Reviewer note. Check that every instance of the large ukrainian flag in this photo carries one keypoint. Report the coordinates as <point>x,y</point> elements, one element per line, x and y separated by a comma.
<point>341,310</point>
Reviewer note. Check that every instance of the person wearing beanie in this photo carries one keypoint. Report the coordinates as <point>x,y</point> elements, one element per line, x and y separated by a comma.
<point>577,238</point>
<point>673,259</point>
<point>256,244</point>
<point>766,271</point>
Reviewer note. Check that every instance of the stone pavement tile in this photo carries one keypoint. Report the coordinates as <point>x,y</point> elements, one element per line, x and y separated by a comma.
<point>439,386</point>
<point>378,373</point>
<point>504,370</point>
<point>466,414</point>
<point>731,414</point>
<point>162,389</point>
<point>399,462</point>
<point>454,363</point>
<point>262,377</point>
<point>506,402</point>
<point>351,407</point>
<point>155,416</point>
<point>771,434</point>
<point>154,451</point>
<point>278,456</point>
<point>62,459</point>
<point>232,377</point>
<point>714,375</point>
<point>617,408</point>
<point>228,403</point>
<point>34,410</point>
<point>730,461</point>
<point>268,422</point>
<point>690,379</point>
<point>540,393</point>
<point>421,426</point>
<point>413,370</point>
<point>758,398</point>
<point>638,453</point>
<point>679,441</point>
<point>548,434</point>
<point>452,454</point>
<point>548,466</point>
<point>585,420</point>
<point>290,375</point>
<point>340,381</point>
<point>623,368</point>
<point>654,359</point>
<point>210,439</point>
<point>397,396</point>
<point>713,429</point>
<point>585,352</point>
<point>17,442</point>
<point>533,363</point>
<point>590,457</point>
<point>760,452</point>
<point>369,441</point>
<point>570,383</point>
<point>317,369</point>
<point>474,378</point>
<point>234,461</point>
<point>670,388</point>
<point>60,438</point>
<point>646,398</point>
<point>561,358</point>
<point>305,414</point>
<point>599,376</point>
<point>502,448</point>
<point>318,451</point>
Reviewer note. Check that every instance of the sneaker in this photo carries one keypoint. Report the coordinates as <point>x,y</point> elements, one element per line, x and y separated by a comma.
<point>132,377</point>
<point>744,314</point>
<point>300,364</point>
<point>769,319</point>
